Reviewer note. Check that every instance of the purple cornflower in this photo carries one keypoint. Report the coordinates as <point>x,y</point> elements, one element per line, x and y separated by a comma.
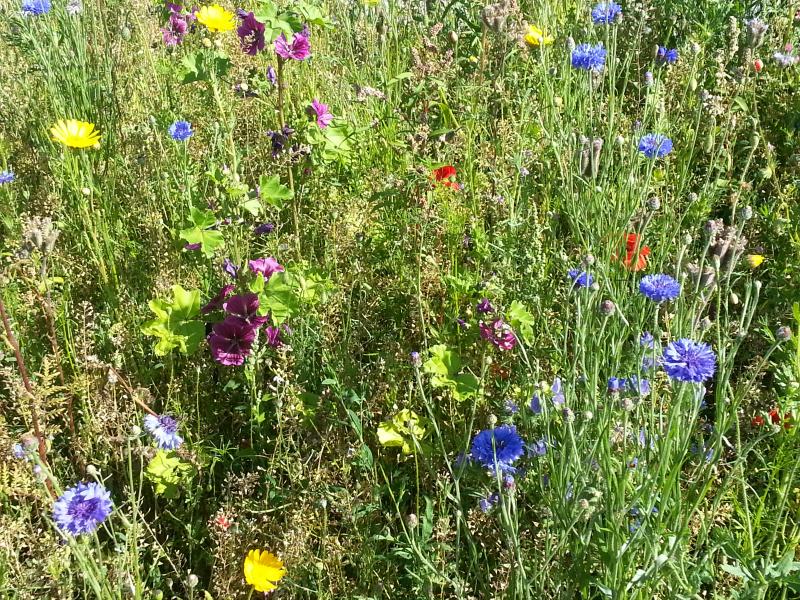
<point>655,145</point>
<point>230,268</point>
<point>538,448</point>
<point>266,266</point>
<point>499,333</point>
<point>217,301</point>
<point>272,76</point>
<point>498,449</point>
<point>484,306</point>
<point>7,177</point>
<point>511,407</point>
<point>231,341</point>
<point>606,13</point>
<point>165,431</point>
<point>536,405</point>
<point>245,306</point>
<point>416,359</point>
<point>667,56</point>
<point>180,131</point>
<point>280,139</point>
<point>648,78</point>
<point>640,387</point>
<point>615,385</point>
<point>558,393</point>
<point>82,508</point>
<point>18,451</point>
<point>264,229</point>
<point>646,340</point>
<point>589,58</point>
<point>487,503</point>
<point>659,287</point>
<point>34,8</point>
<point>320,110</point>
<point>298,49</point>
<point>251,33</point>
<point>580,279</point>
<point>689,361</point>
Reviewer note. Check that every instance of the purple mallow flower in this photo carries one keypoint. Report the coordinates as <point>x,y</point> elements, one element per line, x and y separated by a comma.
<point>251,33</point>
<point>264,229</point>
<point>266,266</point>
<point>82,508</point>
<point>177,25</point>
<point>499,333</point>
<point>484,306</point>
<point>298,49</point>
<point>320,110</point>
<point>689,361</point>
<point>245,306</point>
<point>230,268</point>
<point>217,301</point>
<point>231,341</point>
<point>165,431</point>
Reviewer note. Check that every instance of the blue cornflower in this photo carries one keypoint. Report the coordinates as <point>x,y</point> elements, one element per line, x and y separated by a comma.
<point>667,56</point>
<point>580,278</point>
<point>655,145</point>
<point>180,131</point>
<point>487,503</point>
<point>498,449</point>
<point>18,451</point>
<point>511,407</point>
<point>35,7</point>
<point>588,57</point>
<point>82,508</point>
<point>165,431</point>
<point>616,384</point>
<point>659,288</point>
<point>264,229</point>
<point>606,13</point>
<point>7,177</point>
<point>640,387</point>
<point>687,360</point>
<point>646,340</point>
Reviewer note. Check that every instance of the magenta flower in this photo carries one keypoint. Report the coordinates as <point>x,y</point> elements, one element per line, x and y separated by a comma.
<point>218,300</point>
<point>266,266</point>
<point>499,333</point>
<point>324,116</point>
<point>245,306</point>
<point>298,49</point>
<point>231,341</point>
<point>176,27</point>
<point>251,33</point>
<point>273,336</point>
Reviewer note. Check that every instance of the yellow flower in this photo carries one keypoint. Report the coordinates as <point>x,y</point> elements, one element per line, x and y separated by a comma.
<point>216,18</point>
<point>371,2</point>
<point>537,37</point>
<point>263,570</point>
<point>75,134</point>
<point>755,260</point>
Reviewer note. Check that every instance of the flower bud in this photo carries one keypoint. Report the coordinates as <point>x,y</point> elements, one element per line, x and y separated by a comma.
<point>492,420</point>
<point>607,308</point>
<point>192,581</point>
<point>412,521</point>
<point>783,333</point>
<point>758,65</point>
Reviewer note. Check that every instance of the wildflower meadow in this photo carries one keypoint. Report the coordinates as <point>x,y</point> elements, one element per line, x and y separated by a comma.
<point>377,299</point>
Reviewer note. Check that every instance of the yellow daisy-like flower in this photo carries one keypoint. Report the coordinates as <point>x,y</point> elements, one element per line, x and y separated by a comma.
<point>537,37</point>
<point>75,134</point>
<point>263,570</point>
<point>755,260</point>
<point>216,18</point>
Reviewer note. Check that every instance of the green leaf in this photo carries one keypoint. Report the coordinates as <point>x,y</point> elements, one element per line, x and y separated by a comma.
<point>169,473</point>
<point>735,571</point>
<point>467,385</point>
<point>175,325</point>
<point>209,239</point>
<point>279,297</point>
<point>202,66</point>
<point>521,320</point>
<point>442,364</point>
<point>402,430</point>
<point>273,191</point>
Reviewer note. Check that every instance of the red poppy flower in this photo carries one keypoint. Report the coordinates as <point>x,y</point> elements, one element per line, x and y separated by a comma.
<point>775,417</point>
<point>757,421</point>
<point>446,176</point>
<point>635,254</point>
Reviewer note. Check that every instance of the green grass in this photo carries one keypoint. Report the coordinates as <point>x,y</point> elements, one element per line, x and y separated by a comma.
<point>283,453</point>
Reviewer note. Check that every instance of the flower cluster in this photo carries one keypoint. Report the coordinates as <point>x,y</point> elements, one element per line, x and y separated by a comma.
<point>177,25</point>
<point>499,333</point>
<point>589,58</point>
